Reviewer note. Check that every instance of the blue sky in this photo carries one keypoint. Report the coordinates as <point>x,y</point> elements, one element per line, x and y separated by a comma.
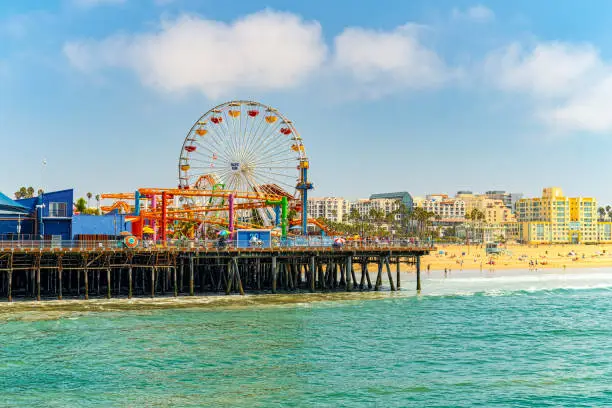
<point>397,95</point>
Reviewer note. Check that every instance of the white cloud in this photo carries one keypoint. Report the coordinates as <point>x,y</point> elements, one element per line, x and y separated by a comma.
<point>265,50</point>
<point>549,69</point>
<point>587,109</point>
<point>94,3</point>
<point>387,61</point>
<point>478,14</point>
<point>570,84</point>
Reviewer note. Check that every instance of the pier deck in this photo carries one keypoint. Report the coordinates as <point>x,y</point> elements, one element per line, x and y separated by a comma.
<point>57,273</point>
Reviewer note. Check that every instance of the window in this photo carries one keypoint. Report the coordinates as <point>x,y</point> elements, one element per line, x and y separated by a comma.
<point>57,210</point>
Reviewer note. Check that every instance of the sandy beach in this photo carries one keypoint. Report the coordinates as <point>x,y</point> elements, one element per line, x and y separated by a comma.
<point>464,257</point>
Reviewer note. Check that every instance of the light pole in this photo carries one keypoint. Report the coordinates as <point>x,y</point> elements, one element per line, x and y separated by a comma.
<point>42,174</point>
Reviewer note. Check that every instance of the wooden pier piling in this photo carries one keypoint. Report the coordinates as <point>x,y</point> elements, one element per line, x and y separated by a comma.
<point>191,276</point>
<point>38,283</point>
<point>313,273</point>
<point>379,275</point>
<point>153,281</point>
<point>418,273</point>
<point>130,282</point>
<point>274,272</point>
<point>10,285</point>
<point>389,274</point>
<point>348,273</point>
<point>60,272</point>
<point>174,282</point>
<point>108,283</point>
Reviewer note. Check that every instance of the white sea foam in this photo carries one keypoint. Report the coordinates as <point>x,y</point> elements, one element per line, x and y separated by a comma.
<point>507,282</point>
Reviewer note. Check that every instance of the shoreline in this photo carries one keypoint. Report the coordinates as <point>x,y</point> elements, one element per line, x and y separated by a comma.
<point>24,310</point>
<point>27,309</point>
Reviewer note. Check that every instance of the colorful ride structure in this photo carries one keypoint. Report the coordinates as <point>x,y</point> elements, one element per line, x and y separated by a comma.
<point>242,165</point>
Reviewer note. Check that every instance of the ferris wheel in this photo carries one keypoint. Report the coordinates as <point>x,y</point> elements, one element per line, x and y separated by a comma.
<point>243,146</point>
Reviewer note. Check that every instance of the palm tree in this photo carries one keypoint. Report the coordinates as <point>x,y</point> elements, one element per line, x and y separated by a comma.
<point>602,213</point>
<point>40,192</point>
<point>404,217</point>
<point>474,218</point>
<point>355,218</point>
<point>25,192</point>
<point>390,219</point>
<point>81,205</point>
<point>376,217</point>
<point>478,217</point>
<point>89,195</point>
<point>417,215</point>
<point>422,217</point>
<point>98,200</point>
<point>609,211</point>
<point>408,219</point>
<point>429,216</point>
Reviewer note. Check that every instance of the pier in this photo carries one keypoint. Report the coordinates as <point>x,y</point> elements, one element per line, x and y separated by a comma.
<point>80,273</point>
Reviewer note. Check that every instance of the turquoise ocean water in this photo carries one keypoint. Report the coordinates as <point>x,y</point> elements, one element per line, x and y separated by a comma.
<point>485,339</point>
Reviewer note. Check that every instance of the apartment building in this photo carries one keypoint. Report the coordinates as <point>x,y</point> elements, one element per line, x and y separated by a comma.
<point>445,207</point>
<point>387,205</point>
<point>334,209</point>
<point>555,218</point>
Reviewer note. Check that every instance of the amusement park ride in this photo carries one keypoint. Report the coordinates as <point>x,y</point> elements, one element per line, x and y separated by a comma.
<point>242,165</point>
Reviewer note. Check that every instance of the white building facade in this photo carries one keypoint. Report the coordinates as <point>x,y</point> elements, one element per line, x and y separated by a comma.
<point>442,205</point>
<point>334,209</point>
<point>386,205</point>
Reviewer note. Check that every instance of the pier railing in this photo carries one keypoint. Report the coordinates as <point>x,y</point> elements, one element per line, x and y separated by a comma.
<point>288,243</point>
<point>62,244</point>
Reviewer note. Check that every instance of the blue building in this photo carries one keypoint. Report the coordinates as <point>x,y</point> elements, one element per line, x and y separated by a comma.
<point>51,215</point>
<point>13,217</point>
<point>111,224</point>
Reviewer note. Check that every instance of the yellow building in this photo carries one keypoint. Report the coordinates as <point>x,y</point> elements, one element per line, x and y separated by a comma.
<point>583,219</point>
<point>554,218</point>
